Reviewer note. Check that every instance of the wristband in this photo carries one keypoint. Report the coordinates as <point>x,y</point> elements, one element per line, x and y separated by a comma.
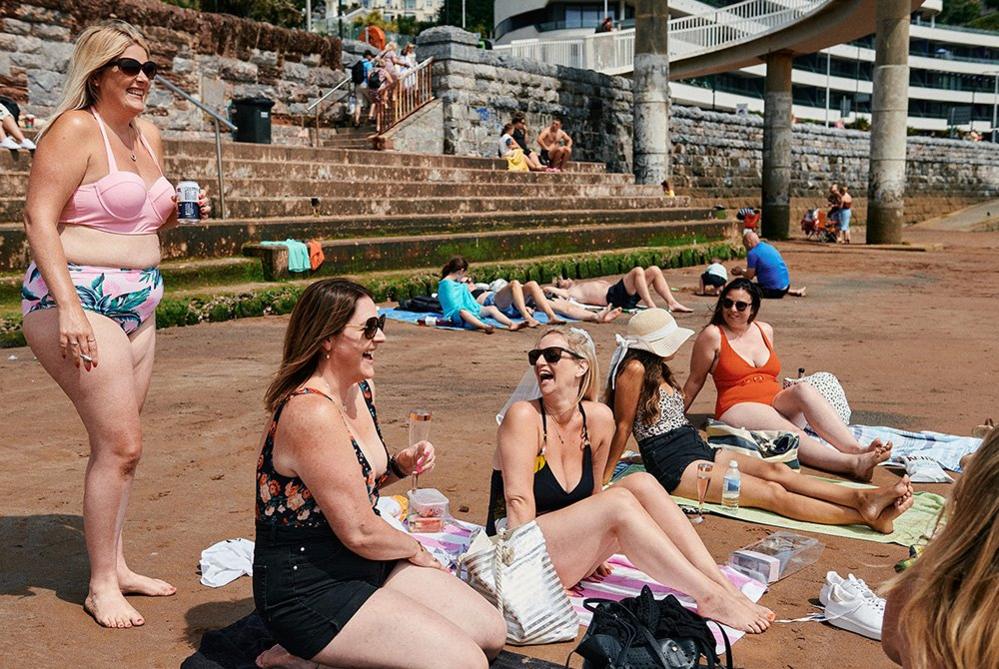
<point>394,467</point>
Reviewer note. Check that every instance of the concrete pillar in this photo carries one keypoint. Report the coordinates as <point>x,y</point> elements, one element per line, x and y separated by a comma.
<point>889,107</point>
<point>650,83</point>
<point>777,146</point>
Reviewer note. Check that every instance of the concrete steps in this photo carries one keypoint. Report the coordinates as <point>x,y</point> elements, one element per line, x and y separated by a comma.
<point>384,253</point>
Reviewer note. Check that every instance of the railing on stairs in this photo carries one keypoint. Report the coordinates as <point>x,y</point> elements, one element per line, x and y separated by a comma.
<point>315,106</point>
<point>410,91</point>
<point>219,121</point>
<point>613,52</point>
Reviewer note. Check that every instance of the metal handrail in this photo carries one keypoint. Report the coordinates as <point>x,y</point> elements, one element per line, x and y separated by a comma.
<point>410,91</point>
<point>315,105</point>
<point>217,120</point>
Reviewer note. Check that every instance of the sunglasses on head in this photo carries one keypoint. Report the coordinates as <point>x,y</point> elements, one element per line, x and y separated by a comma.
<point>552,354</point>
<point>132,67</point>
<point>741,306</point>
<point>371,326</point>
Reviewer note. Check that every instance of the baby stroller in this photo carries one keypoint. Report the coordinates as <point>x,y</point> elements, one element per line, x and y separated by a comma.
<point>817,226</point>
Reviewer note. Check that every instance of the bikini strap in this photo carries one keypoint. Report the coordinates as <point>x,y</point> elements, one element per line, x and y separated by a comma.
<point>544,425</point>
<point>586,431</point>
<point>152,154</point>
<point>112,163</point>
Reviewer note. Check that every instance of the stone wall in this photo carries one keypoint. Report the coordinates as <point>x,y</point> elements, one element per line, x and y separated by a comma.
<point>212,56</point>
<point>717,158</point>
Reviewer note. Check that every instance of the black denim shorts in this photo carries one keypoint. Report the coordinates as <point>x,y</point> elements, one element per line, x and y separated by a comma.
<point>307,585</point>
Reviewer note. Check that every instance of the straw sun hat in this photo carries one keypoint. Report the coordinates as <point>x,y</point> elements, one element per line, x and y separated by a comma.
<point>652,330</point>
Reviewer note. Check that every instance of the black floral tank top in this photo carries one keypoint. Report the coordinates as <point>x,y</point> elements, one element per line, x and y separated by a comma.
<point>285,500</point>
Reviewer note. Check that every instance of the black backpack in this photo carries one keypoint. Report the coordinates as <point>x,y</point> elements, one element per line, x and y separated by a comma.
<point>357,71</point>
<point>374,80</point>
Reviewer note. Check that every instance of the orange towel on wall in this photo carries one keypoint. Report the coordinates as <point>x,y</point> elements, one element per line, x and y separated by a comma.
<point>316,255</point>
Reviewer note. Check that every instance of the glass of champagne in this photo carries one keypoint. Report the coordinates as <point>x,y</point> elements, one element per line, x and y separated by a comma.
<point>704,470</point>
<point>419,430</point>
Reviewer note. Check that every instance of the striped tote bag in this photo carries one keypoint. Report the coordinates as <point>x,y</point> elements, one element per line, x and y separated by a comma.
<point>516,575</point>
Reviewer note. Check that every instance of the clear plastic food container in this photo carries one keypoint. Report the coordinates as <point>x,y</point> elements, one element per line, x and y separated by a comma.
<point>777,556</point>
<point>428,507</point>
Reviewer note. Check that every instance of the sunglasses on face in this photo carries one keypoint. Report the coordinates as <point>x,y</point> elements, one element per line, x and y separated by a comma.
<point>552,354</point>
<point>132,67</point>
<point>740,306</point>
<point>371,326</point>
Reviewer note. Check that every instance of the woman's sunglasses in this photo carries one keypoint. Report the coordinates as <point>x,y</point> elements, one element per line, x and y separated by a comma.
<point>132,67</point>
<point>552,354</point>
<point>741,306</point>
<point>371,326</point>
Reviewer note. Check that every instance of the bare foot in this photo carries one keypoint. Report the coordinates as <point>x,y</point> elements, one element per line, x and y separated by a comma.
<point>730,610</point>
<point>531,323</point>
<point>110,609</point>
<point>873,502</point>
<point>276,657</point>
<point>886,521</point>
<point>606,315</point>
<point>131,583</point>
<point>677,307</point>
<point>517,326</point>
<point>736,592</point>
<point>866,462</point>
<point>557,321</point>
<point>489,329</point>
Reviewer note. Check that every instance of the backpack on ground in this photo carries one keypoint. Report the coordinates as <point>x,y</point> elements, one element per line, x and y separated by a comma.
<point>423,304</point>
<point>357,71</point>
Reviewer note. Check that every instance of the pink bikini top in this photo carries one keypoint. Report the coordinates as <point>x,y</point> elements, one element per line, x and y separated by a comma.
<point>119,202</point>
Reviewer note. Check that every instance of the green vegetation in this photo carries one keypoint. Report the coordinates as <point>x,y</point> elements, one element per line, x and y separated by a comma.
<point>981,14</point>
<point>283,13</point>
<point>214,304</point>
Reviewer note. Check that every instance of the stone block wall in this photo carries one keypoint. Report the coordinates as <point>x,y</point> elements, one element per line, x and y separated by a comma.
<point>717,158</point>
<point>214,57</point>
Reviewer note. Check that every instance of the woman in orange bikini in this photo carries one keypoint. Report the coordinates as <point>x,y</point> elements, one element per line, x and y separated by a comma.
<point>737,351</point>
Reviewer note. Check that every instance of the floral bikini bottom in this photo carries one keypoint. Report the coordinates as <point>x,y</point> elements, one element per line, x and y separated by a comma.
<point>126,296</point>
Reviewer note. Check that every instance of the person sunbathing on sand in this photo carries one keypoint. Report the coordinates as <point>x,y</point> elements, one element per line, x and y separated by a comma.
<point>550,455</point>
<point>632,289</point>
<point>648,402</point>
<point>519,300</point>
<point>737,351</point>
<point>460,307</point>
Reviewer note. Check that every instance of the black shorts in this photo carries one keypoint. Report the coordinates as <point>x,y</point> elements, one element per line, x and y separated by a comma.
<point>713,280</point>
<point>617,296</point>
<point>544,158</point>
<point>307,585</point>
<point>667,456</point>
<point>773,293</point>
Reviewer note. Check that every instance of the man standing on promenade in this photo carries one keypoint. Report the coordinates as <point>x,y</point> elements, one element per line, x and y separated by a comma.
<point>556,146</point>
<point>845,212</point>
<point>765,264</point>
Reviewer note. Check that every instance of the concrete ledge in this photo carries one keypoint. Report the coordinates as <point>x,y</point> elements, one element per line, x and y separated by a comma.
<point>380,254</point>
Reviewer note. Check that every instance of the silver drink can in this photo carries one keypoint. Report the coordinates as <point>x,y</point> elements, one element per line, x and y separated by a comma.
<point>187,201</point>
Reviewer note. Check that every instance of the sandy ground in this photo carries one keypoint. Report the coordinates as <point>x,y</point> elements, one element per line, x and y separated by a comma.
<point>911,335</point>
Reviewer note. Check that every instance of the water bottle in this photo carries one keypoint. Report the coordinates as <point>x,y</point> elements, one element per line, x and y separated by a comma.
<point>429,321</point>
<point>731,486</point>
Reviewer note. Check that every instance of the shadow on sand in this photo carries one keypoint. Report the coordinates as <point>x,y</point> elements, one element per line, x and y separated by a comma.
<point>45,552</point>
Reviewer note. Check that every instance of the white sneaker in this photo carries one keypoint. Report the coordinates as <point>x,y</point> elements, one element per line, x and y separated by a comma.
<point>855,585</point>
<point>28,145</point>
<point>854,613</point>
<point>9,143</point>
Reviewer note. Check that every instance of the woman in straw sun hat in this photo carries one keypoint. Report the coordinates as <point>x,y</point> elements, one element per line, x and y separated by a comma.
<point>648,402</point>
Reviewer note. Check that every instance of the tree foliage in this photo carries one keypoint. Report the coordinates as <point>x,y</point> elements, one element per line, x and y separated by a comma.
<point>283,13</point>
<point>961,12</point>
<point>478,15</point>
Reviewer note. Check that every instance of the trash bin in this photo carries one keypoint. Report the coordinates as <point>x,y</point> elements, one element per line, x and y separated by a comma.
<point>252,117</point>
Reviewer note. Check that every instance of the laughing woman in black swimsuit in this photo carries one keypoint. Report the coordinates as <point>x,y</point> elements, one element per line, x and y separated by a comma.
<point>328,571</point>
<point>548,467</point>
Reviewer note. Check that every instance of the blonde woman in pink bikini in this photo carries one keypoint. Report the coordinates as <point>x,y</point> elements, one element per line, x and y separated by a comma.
<point>96,199</point>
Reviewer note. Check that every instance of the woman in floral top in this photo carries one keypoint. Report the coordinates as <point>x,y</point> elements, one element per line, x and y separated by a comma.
<point>328,571</point>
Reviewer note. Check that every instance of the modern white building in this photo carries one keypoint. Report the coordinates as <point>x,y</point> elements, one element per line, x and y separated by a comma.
<point>953,81</point>
<point>421,10</point>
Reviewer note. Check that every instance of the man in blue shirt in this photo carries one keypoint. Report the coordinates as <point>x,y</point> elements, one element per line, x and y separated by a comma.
<point>765,264</point>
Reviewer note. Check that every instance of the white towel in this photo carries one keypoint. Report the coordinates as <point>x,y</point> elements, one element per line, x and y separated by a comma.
<point>226,561</point>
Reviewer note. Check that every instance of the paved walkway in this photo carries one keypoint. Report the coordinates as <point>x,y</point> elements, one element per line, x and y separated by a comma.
<point>982,217</point>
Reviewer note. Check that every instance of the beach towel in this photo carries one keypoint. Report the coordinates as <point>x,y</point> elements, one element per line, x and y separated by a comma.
<point>298,254</point>
<point>910,528</point>
<point>224,562</point>
<point>947,449</point>
<point>404,316</point>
